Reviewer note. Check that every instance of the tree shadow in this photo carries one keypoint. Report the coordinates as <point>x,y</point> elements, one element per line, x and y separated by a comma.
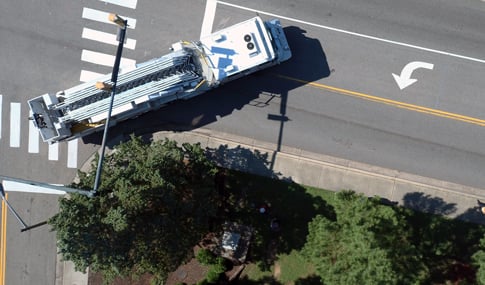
<point>242,159</point>
<point>286,202</point>
<point>269,86</point>
<point>426,203</point>
<point>443,242</point>
<point>266,280</point>
<point>473,215</point>
<point>310,280</point>
<point>270,280</point>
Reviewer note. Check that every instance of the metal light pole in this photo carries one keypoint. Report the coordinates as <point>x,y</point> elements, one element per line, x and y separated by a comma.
<point>122,24</point>
<point>2,192</point>
<point>21,185</point>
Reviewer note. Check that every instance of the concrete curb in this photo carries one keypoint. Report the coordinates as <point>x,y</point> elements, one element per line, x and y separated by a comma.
<point>206,137</point>
<point>67,275</point>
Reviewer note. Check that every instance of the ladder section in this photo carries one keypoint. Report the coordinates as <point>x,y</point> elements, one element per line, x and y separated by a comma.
<point>87,94</point>
<point>153,87</point>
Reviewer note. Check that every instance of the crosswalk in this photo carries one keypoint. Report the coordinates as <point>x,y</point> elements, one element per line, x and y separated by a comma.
<point>109,38</point>
<point>16,121</point>
<point>19,123</point>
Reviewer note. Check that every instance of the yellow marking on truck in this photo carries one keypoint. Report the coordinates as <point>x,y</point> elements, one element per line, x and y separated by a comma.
<point>200,84</point>
<point>77,128</point>
<point>398,104</point>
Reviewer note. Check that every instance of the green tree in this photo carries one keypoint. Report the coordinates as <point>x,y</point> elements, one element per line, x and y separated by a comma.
<point>154,203</point>
<point>367,243</point>
<point>479,261</point>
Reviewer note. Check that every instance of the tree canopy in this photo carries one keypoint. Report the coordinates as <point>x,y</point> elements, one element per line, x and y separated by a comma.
<point>153,205</point>
<point>479,261</point>
<point>367,243</point>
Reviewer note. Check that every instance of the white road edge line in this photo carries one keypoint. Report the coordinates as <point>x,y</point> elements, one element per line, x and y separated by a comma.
<point>101,16</point>
<point>106,38</point>
<point>54,151</point>
<point>72,147</point>
<point>1,116</point>
<point>209,14</point>
<point>125,3</point>
<point>353,33</point>
<point>14,124</point>
<point>33,137</point>
<point>105,59</point>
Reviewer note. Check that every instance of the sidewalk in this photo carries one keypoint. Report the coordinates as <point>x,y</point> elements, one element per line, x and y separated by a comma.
<point>321,171</point>
<point>331,173</point>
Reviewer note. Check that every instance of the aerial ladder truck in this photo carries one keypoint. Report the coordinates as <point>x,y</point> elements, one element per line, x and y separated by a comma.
<point>190,69</point>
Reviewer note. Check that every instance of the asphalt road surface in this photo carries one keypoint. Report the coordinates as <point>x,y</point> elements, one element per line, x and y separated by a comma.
<point>336,96</point>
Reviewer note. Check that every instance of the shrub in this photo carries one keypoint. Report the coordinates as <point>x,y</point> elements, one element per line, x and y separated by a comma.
<point>205,257</point>
<point>215,272</point>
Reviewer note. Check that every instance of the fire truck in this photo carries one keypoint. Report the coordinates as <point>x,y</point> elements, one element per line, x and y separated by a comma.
<point>190,69</point>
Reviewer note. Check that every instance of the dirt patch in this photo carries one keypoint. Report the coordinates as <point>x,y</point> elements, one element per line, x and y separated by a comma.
<point>189,273</point>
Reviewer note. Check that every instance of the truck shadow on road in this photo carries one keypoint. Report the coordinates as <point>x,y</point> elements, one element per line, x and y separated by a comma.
<point>259,90</point>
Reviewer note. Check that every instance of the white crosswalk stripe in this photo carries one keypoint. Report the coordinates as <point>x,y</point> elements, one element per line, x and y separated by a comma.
<point>105,59</point>
<point>72,153</point>
<point>14,124</point>
<point>87,75</point>
<point>33,137</point>
<point>101,16</point>
<point>54,151</point>
<point>106,38</point>
<point>125,3</point>
<point>209,14</point>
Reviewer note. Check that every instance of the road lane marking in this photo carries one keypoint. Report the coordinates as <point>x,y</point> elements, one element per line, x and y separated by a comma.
<point>101,16</point>
<point>353,33</point>
<point>33,137</point>
<point>105,59</point>
<point>209,14</point>
<point>14,124</point>
<point>106,38</point>
<point>404,79</point>
<point>72,147</point>
<point>402,105</point>
<point>3,251</point>
<point>53,151</point>
<point>125,3</point>
<point>0,116</point>
<point>87,76</point>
